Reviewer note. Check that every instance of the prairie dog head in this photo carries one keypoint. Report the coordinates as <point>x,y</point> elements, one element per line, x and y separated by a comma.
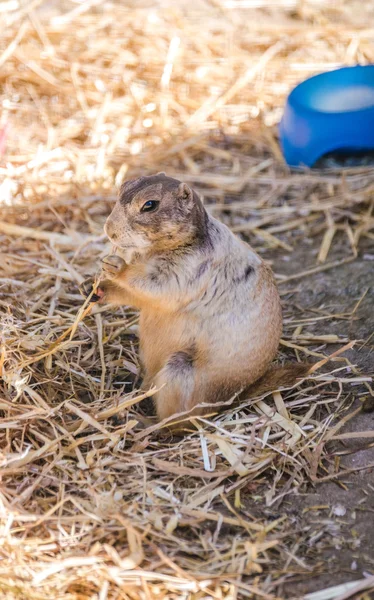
<point>153,214</point>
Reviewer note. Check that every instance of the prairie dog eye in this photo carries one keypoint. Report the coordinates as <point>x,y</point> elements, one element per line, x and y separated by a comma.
<point>149,206</point>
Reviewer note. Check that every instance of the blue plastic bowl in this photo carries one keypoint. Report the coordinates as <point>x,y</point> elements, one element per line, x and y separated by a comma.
<point>329,112</point>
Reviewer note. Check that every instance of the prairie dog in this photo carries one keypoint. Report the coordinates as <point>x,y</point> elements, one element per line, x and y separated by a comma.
<point>210,313</point>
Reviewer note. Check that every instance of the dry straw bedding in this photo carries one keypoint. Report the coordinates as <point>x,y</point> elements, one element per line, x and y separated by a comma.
<point>97,501</point>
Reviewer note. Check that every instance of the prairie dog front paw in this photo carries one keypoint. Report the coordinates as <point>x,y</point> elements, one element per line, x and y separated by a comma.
<point>112,266</point>
<point>87,288</point>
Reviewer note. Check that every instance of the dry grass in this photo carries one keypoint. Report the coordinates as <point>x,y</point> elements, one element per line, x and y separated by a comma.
<point>97,501</point>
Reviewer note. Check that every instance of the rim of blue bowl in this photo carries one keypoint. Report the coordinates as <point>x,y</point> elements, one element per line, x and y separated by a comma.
<point>325,75</point>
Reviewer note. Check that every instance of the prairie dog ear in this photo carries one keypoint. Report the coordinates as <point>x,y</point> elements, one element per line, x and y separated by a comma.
<point>185,193</point>
<point>161,174</point>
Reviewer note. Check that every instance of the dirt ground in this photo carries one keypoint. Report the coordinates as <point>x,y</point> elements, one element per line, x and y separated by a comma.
<point>342,511</point>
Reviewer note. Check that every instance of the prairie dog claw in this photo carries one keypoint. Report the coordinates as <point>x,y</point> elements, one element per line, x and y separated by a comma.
<point>112,265</point>
<point>86,289</point>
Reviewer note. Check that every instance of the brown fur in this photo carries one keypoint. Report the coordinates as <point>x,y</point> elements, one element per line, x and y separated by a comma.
<point>210,315</point>
<point>277,377</point>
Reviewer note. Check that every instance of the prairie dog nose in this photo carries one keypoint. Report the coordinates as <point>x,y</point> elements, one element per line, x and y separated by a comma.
<point>109,229</point>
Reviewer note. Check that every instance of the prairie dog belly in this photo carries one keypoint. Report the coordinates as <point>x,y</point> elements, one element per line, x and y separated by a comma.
<point>236,344</point>
<point>242,343</point>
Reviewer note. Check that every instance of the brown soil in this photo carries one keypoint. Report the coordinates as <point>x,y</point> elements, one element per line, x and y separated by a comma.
<point>340,514</point>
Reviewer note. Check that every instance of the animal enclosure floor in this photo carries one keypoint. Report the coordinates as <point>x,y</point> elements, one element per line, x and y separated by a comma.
<point>268,499</point>
<point>342,510</point>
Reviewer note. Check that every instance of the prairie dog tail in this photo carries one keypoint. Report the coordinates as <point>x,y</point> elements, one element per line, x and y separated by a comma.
<point>276,377</point>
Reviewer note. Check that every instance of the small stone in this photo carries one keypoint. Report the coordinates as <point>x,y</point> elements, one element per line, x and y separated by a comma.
<point>368,404</point>
<point>339,510</point>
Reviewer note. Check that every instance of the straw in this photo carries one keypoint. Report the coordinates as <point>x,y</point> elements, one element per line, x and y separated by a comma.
<point>97,499</point>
